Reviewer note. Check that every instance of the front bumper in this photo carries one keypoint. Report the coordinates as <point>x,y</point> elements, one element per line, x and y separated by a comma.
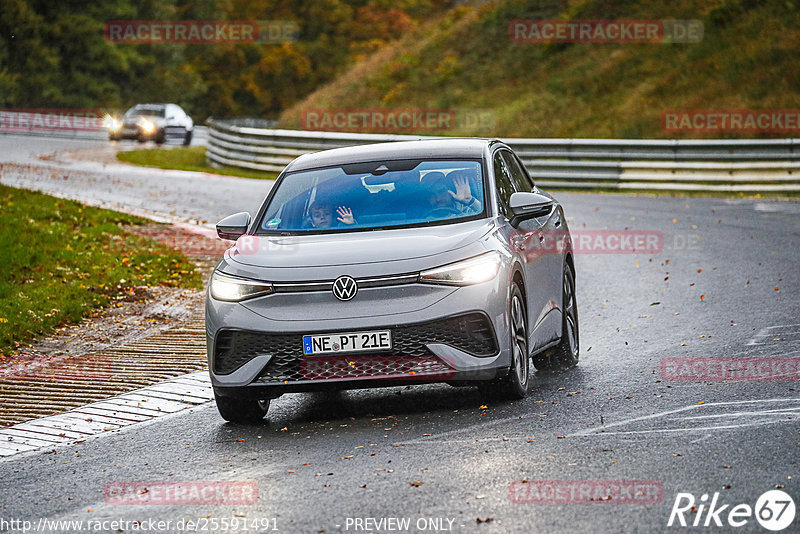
<point>439,333</point>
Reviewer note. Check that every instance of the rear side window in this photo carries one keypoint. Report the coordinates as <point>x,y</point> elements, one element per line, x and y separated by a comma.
<point>503,183</point>
<point>519,177</point>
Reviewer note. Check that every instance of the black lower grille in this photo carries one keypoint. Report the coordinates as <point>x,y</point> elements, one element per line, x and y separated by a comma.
<point>471,333</point>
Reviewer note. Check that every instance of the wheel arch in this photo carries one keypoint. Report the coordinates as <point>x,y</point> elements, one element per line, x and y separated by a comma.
<point>518,277</point>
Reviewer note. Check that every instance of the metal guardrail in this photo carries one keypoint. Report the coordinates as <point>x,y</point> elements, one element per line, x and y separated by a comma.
<point>753,165</point>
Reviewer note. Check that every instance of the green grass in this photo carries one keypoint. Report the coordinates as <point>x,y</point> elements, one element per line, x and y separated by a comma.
<point>62,261</point>
<point>465,61</point>
<point>186,159</point>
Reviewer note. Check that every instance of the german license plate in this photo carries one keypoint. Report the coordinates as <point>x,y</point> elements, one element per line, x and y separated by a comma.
<point>347,342</point>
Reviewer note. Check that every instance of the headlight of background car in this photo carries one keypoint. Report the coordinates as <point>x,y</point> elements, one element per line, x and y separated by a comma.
<point>464,273</point>
<point>111,123</point>
<point>146,125</point>
<point>234,289</point>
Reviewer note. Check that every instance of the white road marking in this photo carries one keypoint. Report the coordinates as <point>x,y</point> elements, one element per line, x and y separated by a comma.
<point>784,332</point>
<point>436,438</point>
<point>112,414</point>
<point>742,418</point>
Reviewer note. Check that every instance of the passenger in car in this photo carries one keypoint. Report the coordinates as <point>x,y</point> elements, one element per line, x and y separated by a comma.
<point>321,215</point>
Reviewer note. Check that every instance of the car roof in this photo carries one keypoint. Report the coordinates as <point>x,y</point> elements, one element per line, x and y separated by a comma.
<point>470,147</point>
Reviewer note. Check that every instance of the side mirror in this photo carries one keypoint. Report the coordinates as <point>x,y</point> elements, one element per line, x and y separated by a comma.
<point>233,226</point>
<point>526,206</point>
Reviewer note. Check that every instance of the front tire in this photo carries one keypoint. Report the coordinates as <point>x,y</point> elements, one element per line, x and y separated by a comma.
<point>243,411</point>
<point>514,386</point>
<point>566,353</point>
<point>187,138</point>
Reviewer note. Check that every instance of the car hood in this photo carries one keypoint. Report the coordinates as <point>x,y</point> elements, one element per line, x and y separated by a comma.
<point>356,248</point>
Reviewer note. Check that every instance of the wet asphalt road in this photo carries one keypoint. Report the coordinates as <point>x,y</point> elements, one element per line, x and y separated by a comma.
<point>163,194</point>
<point>726,284</point>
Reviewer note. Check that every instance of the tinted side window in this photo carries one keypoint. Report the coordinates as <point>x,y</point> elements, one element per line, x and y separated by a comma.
<point>503,183</point>
<point>518,176</point>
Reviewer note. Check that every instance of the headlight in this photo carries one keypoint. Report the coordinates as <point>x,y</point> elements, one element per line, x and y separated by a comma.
<point>464,273</point>
<point>112,123</point>
<point>234,289</point>
<point>147,126</point>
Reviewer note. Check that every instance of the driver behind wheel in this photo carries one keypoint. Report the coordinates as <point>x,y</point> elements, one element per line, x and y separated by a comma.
<point>451,192</point>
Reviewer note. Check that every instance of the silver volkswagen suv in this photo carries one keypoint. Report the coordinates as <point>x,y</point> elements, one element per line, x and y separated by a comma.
<point>387,265</point>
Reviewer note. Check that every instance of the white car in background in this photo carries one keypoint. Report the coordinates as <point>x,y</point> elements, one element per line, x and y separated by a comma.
<point>156,122</point>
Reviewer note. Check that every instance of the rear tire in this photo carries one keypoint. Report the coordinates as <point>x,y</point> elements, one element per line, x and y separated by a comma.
<point>243,411</point>
<point>566,353</point>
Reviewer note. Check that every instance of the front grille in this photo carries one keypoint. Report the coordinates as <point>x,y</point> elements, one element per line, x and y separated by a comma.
<point>471,333</point>
<point>327,285</point>
<point>372,366</point>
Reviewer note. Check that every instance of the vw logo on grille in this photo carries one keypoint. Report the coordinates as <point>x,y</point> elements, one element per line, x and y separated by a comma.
<point>344,288</point>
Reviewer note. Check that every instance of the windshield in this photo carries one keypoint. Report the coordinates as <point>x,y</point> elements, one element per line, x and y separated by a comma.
<point>149,112</point>
<point>408,193</point>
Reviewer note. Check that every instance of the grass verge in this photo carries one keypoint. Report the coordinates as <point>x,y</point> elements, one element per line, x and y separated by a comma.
<point>465,62</point>
<point>62,261</point>
<point>185,159</point>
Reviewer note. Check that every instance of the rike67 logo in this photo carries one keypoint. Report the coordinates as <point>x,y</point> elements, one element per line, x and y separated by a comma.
<point>774,510</point>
